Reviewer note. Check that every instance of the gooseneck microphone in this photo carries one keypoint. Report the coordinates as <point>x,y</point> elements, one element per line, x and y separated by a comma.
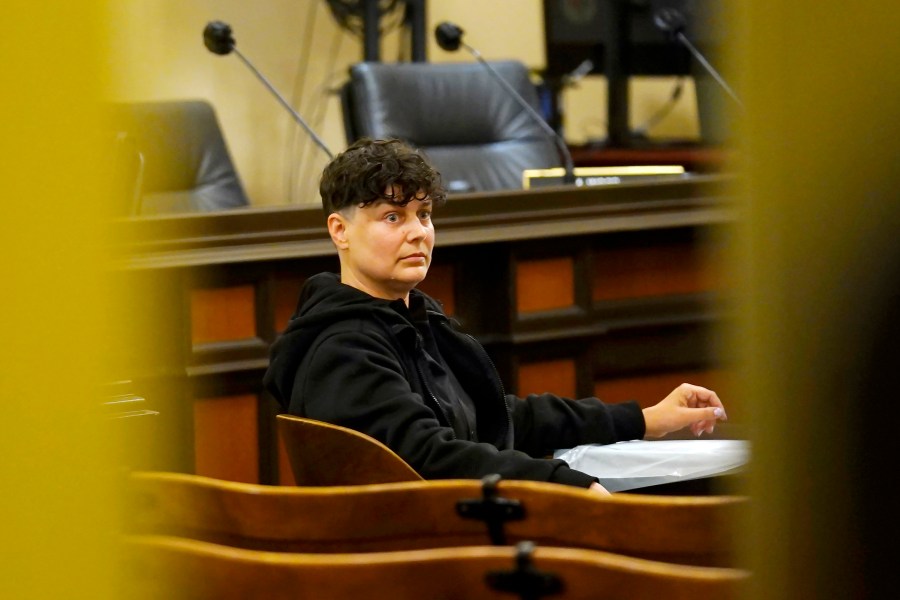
<point>218,39</point>
<point>672,21</point>
<point>449,37</point>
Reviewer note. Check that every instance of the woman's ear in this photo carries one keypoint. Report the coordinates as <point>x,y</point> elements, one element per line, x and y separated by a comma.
<point>337,228</point>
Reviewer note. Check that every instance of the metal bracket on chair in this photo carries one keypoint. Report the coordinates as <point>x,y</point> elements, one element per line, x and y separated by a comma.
<point>491,509</point>
<point>525,580</point>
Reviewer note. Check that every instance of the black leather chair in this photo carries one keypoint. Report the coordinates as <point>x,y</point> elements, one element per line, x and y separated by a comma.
<point>477,135</point>
<point>172,157</point>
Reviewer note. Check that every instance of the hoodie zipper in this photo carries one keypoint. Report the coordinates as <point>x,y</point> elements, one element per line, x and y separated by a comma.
<point>431,395</point>
<point>487,357</point>
<point>480,350</point>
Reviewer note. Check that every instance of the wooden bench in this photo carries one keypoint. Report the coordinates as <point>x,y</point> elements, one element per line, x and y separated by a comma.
<point>429,514</point>
<point>167,567</point>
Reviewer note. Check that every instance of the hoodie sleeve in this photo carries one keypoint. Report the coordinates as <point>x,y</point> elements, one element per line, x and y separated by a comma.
<point>355,379</point>
<point>544,423</point>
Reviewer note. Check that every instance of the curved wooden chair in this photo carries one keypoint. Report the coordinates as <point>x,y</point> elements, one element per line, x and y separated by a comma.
<point>324,454</point>
<point>167,567</point>
<point>430,514</point>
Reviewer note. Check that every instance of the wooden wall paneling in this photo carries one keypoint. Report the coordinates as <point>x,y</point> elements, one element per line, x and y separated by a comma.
<point>441,285</point>
<point>245,384</point>
<point>646,363</point>
<point>286,279</point>
<point>543,284</point>
<point>236,298</point>
<point>552,331</point>
<point>481,279</point>
<point>226,442</point>
<point>484,300</point>
<point>232,305</point>
<point>271,466</point>
<point>285,292</point>
<point>650,388</point>
<point>660,347</point>
<point>223,314</point>
<point>550,287</point>
<point>558,365</point>
<point>663,262</point>
<point>555,376</point>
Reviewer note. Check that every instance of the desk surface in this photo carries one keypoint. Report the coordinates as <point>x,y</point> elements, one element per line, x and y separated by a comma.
<point>638,463</point>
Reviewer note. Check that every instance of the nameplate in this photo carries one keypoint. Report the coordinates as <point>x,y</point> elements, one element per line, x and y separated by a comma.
<point>593,176</point>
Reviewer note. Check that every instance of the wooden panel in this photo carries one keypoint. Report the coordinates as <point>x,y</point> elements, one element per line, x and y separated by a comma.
<point>223,314</point>
<point>286,294</point>
<point>635,272</point>
<point>544,284</point>
<point>556,376</point>
<point>226,440</point>
<point>441,285</point>
<point>649,389</point>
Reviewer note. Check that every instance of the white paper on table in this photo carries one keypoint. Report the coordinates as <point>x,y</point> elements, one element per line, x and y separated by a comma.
<point>641,463</point>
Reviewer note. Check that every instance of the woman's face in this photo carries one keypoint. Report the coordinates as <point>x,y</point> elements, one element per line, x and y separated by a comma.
<point>385,248</point>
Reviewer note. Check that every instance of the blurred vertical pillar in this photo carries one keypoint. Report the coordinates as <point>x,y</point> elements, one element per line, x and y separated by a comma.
<point>57,504</point>
<point>820,145</point>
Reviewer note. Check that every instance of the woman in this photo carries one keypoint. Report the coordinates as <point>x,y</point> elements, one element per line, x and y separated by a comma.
<point>366,350</point>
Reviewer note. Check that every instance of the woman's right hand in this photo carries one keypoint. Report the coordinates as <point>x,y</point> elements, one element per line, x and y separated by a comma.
<point>687,405</point>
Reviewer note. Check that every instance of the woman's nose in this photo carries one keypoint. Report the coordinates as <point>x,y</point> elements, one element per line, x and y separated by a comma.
<point>416,230</point>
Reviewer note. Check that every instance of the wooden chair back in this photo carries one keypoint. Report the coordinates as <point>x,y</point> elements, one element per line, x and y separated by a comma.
<point>322,454</point>
<point>168,567</point>
<point>430,514</point>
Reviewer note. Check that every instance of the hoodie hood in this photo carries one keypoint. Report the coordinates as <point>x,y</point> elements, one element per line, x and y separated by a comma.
<point>324,300</point>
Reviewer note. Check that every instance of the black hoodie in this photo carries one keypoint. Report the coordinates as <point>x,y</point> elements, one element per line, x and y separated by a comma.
<point>357,361</point>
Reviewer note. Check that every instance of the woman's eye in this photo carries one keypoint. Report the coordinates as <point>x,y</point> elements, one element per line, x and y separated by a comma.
<point>425,215</point>
<point>392,218</point>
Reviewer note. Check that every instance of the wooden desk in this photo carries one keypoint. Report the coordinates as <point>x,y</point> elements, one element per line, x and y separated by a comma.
<point>608,290</point>
<point>693,157</point>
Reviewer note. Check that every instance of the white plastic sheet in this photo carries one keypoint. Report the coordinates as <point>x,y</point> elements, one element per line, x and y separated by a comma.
<point>640,463</point>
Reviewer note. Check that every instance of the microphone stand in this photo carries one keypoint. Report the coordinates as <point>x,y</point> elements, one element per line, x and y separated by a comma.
<point>217,37</point>
<point>569,176</point>
<point>672,21</point>
<point>285,104</point>
<point>702,60</point>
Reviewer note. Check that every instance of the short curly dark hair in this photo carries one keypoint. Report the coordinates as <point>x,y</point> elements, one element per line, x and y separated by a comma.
<point>362,173</point>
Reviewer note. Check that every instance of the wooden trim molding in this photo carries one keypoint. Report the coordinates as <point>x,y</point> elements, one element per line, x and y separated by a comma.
<point>257,234</point>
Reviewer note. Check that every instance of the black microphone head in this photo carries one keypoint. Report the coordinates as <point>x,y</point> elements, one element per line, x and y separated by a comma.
<point>448,36</point>
<point>217,38</point>
<point>669,20</point>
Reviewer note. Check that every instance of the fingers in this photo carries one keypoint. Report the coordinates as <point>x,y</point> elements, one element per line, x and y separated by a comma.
<point>708,425</point>
<point>699,396</point>
<point>687,406</point>
<point>705,397</point>
<point>696,396</point>
<point>596,487</point>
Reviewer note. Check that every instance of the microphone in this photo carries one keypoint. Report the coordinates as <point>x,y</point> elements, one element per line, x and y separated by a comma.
<point>449,37</point>
<point>672,21</point>
<point>218,39</point>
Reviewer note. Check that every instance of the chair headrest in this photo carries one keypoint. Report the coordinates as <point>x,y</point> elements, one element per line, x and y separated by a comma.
<point>443,104</point>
